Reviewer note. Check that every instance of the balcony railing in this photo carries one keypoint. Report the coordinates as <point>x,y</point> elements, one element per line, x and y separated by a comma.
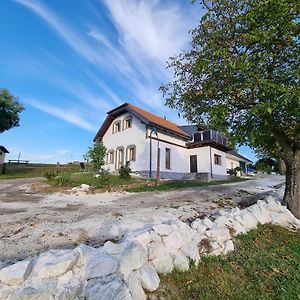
<point>209,135</point>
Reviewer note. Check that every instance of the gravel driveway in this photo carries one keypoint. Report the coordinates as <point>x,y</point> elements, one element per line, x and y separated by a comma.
<point>32,222</point>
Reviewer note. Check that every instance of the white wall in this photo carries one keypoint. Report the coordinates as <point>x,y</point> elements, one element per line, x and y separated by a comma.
<point>136,135</point>
<point>2,157</point>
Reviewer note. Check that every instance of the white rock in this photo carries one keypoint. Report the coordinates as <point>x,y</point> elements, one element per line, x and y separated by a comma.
<point>84,187</point>
<point>249,221</point>
<point>173,241</point>
<point>219,234</point>
<point>135,287</point>
<point>65,278</point>
<point>44,291</point>
<point>84,252</point>
<point>16,273</point>
<point>55,263</point>
<point>99,266</point>
<point>228,246</point>
<point>216,248</point>
<point>111,287</point>
<point>149,278</point>
<point>262,215</point>
<point>5,291</point>
<point>191,250</point>
<point>285,219</point>
<point>237,227</point>
<point>207,222</point>
<point>181,262</point>
<point>133,258</point>
<point>163,229</point>
<point>156,249</point>
<point>163,264</point>
<point>112,248</point>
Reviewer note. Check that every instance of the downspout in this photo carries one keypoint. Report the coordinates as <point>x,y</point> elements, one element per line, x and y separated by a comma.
<point>211,168</point>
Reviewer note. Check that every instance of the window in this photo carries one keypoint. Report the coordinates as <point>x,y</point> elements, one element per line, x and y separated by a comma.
<point>168,158</point>
<point>117,126</point>
<point>110,157</point>
<point>131,153</point>
<point>218,160</point>
<point>127,122</point>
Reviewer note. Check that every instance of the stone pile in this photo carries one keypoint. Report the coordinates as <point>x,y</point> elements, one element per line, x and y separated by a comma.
<point>127,269</point>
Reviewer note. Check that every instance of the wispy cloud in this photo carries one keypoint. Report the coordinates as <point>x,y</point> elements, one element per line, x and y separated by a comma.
<point>147,33</point>
<point>63,113</point>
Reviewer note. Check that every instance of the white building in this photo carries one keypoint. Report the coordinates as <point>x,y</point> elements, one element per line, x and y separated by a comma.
<point>3,151</point>
<point>132,135</point>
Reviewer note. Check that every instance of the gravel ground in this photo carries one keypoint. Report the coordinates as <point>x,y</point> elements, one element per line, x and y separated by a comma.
<point>32,222</point>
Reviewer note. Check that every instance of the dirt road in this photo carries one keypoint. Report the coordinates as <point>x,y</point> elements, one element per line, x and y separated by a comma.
<point>32,222</point>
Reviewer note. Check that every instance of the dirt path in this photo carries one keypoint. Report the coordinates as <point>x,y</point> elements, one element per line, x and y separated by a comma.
<point>31,223</point>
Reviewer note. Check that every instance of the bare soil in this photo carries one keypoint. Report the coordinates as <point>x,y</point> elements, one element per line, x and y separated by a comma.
<point>32,222</point>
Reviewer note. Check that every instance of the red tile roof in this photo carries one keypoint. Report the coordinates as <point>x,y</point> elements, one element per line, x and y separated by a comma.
<point>158,120</point>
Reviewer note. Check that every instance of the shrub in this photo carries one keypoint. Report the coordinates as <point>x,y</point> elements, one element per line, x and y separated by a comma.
<point>63,180</point>
<point>232,172</point>
<point>124,172</point>
<point>103,180</point>
<point>50,174</point>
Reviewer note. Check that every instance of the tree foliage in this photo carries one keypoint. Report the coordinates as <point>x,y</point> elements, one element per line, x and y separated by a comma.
<point>241,75</point>
<point>10,109</point>
<point>96,155</point>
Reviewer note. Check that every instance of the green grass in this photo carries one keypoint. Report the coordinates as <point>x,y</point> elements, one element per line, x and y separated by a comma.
<point>175,185</point>
<point>265,265</point>
<point>35,170</point>
<point>88,178</point>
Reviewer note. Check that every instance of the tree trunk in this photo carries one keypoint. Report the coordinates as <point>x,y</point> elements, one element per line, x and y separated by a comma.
<point>292,185</point>
<point>281,166</point>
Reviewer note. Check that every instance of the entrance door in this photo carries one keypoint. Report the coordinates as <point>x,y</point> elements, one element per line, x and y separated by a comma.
<point>120,158</point>
<point>193,163</point>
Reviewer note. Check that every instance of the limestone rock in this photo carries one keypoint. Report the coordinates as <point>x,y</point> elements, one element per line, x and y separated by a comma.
<point>111,287</point>
<point>135,287</point>
<point>181,262</point>
<point>228,246</point>
<point>16,273</point>
<point>112,248</point>
<point>55,263</point>
<point>149,278</point>
<point>156,249</point>
<point>173,241</point>
<point>249,221</point>
<point>163,263</point>
<point>191,250</point>
<point>133,258</point>
<point>45,291</point>
<point>163,229</point>
<point>99,266</point>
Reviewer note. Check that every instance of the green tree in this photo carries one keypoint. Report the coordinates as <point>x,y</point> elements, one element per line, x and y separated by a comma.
<point>266,164</point>
<point>10,109</point>
<point>242,75</point>
<point>96,155</point>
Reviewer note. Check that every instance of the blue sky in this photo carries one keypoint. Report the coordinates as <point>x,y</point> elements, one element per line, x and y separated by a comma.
<point>70,62</point>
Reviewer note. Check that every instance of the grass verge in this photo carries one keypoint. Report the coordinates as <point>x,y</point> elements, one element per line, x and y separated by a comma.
<point>35,170</point>
<point>175,185</point>
<point>265,265</point>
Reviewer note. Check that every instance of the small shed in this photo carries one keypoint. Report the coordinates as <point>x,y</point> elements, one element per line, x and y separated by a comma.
<point>3,151</point>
